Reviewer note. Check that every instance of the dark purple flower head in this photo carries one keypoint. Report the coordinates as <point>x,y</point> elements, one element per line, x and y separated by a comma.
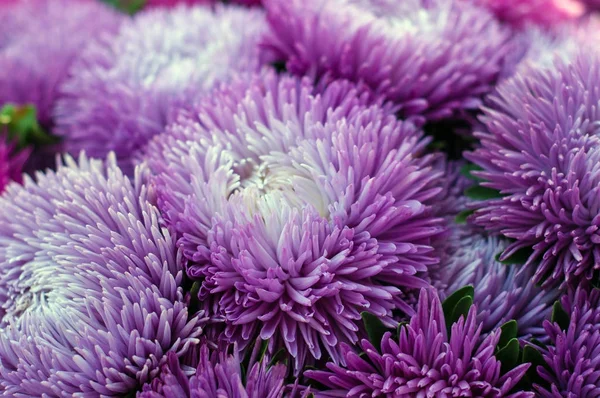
<point>502,292</point>
<point>89,296</point>
<point>11,162</point>
<point>430,57</point>
<point>218,374</point>
<point>572,367</point>
<point>542,152</point>
<point>298,210</point>
<point>424,361</point>
<point>39,40</point>
<point>122,92</point>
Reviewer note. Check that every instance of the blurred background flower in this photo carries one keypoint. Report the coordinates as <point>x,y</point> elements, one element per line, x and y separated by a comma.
<point>39,40</point>
<point>426,56</point>
<point>125,91</point>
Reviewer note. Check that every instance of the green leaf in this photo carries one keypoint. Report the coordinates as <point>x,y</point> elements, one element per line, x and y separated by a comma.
<point>194,305</point>
<point>517,258</point>
<point>560,316</point>
<point>535,358</point>
<point>264,344</point>
<point>451,301</point>
<point>23,126</point>
<point>461,309</point>
<point>374,327</point>
<point>128,6</point>
<point>467,170</point>
<point>461,218</point>
<point>399,328</point>
<point>508,331</point>
<point>509,355</point>
<point>478,192</point>
<point>279,357</point>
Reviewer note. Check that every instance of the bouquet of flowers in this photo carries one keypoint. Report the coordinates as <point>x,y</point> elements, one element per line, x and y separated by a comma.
<point>299,198</point>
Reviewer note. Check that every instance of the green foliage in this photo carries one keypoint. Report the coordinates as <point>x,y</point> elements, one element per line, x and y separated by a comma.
<point>467,170</point>
<point>374,327</point>
<point>461,218</point>
<point>479,192</point>
<point>560,316</point>
<point>127,6</point>
<point>517,258</point>
<point>22,125</point>
<point>457,305</point>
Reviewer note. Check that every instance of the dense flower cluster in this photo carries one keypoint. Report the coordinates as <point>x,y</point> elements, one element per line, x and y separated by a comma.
<point>296,198</point>
<point>39,40</point>
<point>502,292</point>
<point>425,360</point>
<point>298,210</point>
<point>122,92</point>
<point>218,374</point>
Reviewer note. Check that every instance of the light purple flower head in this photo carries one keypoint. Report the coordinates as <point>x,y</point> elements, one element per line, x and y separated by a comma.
<point>298,210</point>
<point>39,39</point>
<point>122,92</point>
<point>90,302</point>
<point>425,360</point>
<point>541,151</point>
<point>432,58</point>
<point>502,292</point>
<point>11,162</point>
<point>572,361</point>
<point>218,373</point>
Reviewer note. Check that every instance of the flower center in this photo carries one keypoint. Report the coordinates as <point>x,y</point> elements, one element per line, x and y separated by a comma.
<point>270,183</point>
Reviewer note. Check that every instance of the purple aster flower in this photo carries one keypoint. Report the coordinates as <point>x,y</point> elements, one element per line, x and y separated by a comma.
<point>425,360</point>
<point>122,92</point>
<point>11,162</point>
<point>572,362</point>
<point>502,292</point>
<point>542,153</point>
<point>89,296</point>
<point>39,40</point>
<point>427,56</point>
<point>218,374</point>
<point>546,13</point>
<point>298,210</point>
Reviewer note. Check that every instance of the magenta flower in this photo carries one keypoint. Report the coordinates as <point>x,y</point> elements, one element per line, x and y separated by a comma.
<point>298,210</point>
<point>39,39</point>
<point>90,303</point>
<point>427,56</point>
<point>218,374</point>
<point>123,92</point>
<point>572,362</point>
<point>425,361</point>
<point>546,13</point>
